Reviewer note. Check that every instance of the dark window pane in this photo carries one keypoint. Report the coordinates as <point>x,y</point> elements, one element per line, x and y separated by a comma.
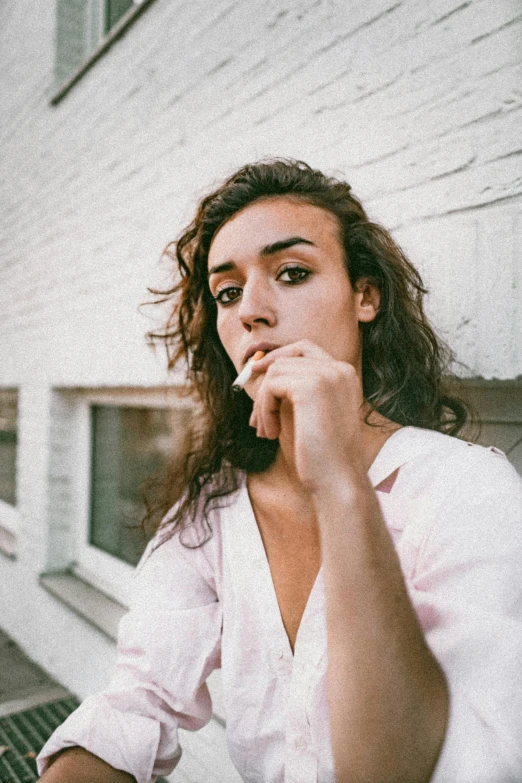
<point>8,439</point>
<point>500,410</point>
<point>114,11</point>
<point>129,446</point>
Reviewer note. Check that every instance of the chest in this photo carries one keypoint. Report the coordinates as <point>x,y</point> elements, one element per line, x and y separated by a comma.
<point>293,552</point>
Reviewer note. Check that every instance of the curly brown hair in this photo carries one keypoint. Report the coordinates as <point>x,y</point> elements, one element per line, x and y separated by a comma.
<point>404,363</point>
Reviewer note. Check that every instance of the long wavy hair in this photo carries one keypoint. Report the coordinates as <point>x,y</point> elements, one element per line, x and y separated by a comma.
<point>404,364</point>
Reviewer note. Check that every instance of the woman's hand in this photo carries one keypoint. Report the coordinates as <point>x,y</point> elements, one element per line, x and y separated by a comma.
<point>388,698</point>
<point>315,401</point>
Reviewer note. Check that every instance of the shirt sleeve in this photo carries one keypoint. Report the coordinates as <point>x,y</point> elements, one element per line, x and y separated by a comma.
<point>168,644</point>
<point>468,596</point>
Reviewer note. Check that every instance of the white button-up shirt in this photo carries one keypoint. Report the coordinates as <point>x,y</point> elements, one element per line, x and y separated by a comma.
<point>454,511</point>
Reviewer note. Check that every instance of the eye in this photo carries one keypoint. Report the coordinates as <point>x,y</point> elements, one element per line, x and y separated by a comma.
<point>227,295</point>
<point>295,274</point>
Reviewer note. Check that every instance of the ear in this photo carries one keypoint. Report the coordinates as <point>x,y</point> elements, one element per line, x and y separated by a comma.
<point>368,299</point>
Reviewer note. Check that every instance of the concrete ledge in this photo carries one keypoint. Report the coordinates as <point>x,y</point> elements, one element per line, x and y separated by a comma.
<point>44,695</point>
<point>87,601</point>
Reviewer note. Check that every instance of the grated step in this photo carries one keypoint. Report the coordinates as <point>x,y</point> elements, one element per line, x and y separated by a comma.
<point>25,733</point>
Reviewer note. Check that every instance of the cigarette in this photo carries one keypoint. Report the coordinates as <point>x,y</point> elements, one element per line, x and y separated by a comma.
<point>246,373</point>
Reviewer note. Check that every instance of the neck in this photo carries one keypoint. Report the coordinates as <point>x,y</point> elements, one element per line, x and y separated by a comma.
<point>284,465</point>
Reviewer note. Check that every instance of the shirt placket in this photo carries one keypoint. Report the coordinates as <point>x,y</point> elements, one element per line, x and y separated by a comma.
<point>301,760</point>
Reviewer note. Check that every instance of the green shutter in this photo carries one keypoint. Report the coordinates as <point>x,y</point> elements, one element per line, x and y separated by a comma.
<point>115,10</point>
<point>72,36</point>
<point>8,440</point>
<point>96,23</point>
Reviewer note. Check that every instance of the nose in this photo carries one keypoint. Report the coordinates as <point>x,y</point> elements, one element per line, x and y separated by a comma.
<point>256,305</point>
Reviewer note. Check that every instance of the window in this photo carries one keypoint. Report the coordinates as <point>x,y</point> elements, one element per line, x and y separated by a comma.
<point>81,27</point>
<point>129,444</point>
<point>114,10</point>
<point>8,441</point>
<point>8,452</point>
<point>500,408</point>
<point>119,439</point>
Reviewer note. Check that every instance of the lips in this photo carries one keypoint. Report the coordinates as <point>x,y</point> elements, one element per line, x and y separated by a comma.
<point>266,347</point>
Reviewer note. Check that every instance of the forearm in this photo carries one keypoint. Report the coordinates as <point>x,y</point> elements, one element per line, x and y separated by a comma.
<point>80,766</point>
<point>387,694</point>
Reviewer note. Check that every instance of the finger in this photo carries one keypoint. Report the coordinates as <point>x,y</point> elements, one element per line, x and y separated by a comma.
<point>266,421</point>
<point>269,425</point>
<point>304,348</point>
<point>266,409</point>
<point>298,379</point>
<point>289,378</point>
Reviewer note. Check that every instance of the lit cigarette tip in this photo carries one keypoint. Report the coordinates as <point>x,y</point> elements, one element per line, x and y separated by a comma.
<point>246,373</point>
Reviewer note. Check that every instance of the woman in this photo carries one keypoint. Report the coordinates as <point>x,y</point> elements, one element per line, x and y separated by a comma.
<point>350,566</point>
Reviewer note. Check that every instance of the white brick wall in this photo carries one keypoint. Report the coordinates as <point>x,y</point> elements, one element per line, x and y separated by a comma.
<point>417,103</point>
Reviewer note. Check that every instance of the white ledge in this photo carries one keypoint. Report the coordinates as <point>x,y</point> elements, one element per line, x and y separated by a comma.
<point>86,600</point>
<point>44,695</point>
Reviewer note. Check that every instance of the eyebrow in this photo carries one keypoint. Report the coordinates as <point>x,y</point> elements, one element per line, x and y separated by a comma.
<point>268,250</point>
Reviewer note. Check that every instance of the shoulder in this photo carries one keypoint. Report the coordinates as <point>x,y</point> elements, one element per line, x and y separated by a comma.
<point>453,493</point>
<point>460,501</point>
<point>441,466</point>
<point>189,555</point>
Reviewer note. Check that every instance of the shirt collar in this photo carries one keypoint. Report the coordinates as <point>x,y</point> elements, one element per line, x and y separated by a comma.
<point>402,446</point>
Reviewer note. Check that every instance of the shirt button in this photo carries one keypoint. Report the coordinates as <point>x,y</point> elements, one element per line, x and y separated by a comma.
<point>300,743</point>
<point>280,655</point>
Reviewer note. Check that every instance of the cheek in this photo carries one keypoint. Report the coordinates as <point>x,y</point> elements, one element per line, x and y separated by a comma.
<point>225,331</point>
<point>341,329</point>
<point>335,308</point>
<point>221,327</point>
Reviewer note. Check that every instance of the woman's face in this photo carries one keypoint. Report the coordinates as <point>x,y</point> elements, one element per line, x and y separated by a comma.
<point>278,273</point>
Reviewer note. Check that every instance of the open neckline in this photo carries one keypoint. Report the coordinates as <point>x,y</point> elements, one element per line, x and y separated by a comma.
<point>270,593</point>
<point>378,468</point>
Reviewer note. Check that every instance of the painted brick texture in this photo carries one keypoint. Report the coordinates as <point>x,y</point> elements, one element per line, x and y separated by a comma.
<point>417,103</point>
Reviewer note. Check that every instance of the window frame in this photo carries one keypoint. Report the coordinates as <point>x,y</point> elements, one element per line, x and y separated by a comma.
<point>106,40</point>
<point>9,512</point>
<point>9,528</point>
<point>9,517</point>
<point>499,405</point>
<point>107,573</point>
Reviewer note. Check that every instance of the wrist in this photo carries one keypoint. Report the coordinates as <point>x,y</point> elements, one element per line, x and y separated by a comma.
<point>341,489</point>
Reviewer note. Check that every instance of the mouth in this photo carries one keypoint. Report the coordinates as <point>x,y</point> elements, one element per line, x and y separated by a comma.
<point>266,347</point>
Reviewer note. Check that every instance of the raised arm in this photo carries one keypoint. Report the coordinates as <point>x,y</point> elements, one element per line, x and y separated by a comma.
<point>437,703</point>
<point>387,694</point>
